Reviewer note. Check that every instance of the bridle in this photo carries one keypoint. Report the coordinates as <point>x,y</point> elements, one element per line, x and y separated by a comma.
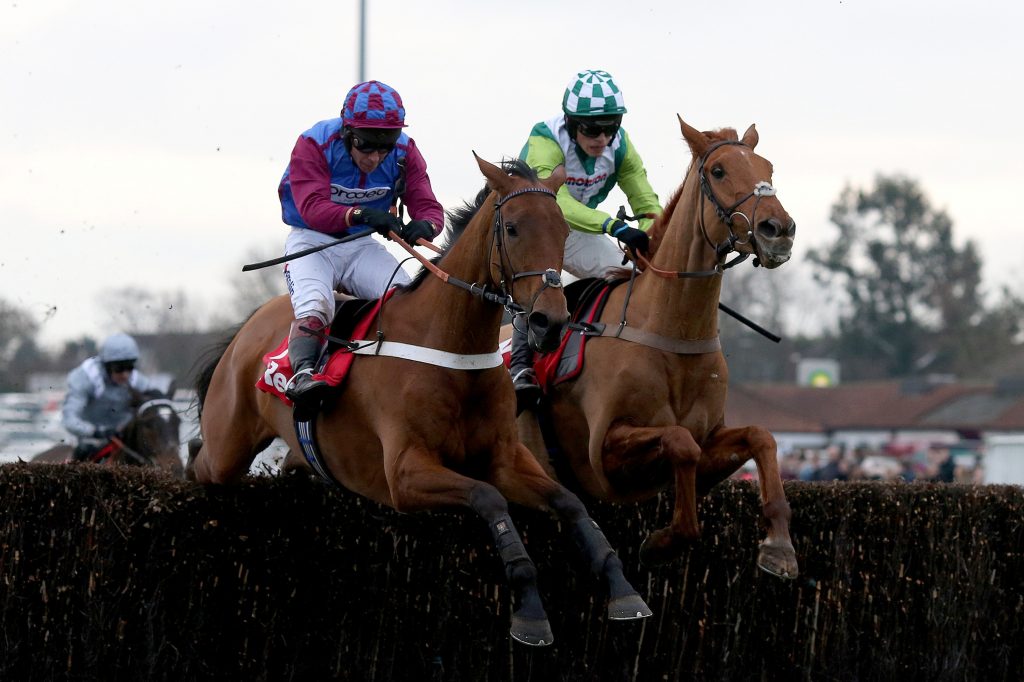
<point>151,410</point>
<point>551,278</point>
<point>117,445</point>
<point>761,189</point>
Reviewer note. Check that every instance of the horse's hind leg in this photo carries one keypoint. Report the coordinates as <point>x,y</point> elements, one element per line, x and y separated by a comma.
<point>726,452</point>
<point>639,453</point>
<point>522,480</point>
<point>419,482</point>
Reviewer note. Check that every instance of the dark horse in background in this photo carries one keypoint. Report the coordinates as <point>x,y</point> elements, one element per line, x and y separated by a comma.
<point>152,438</point>
<point>647,411</point>
<point>419,436</point>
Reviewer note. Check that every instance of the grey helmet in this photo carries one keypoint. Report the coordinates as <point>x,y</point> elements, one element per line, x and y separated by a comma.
<point>119,347</point>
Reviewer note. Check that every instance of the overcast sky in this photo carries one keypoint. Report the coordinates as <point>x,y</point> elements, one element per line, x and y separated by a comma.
<point>141,142</point>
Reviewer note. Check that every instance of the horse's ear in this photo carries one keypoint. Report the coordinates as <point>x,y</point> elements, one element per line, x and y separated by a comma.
<point>697,140</point>
<point>750,137</point>
<point>556,179</point>
<point>497,179</point>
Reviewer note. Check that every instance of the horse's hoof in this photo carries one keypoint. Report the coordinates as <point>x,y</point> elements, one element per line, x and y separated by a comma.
<point>630,607</point>
<point>531,632</point>
<point>778,560</point>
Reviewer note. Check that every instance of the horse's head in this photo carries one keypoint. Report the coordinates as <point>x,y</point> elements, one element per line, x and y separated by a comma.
<point>737,186</point>
<point>154,433</point>
<point>528,243</point>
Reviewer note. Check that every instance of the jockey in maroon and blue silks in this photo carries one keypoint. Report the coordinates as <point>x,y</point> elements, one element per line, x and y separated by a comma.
<point>342,178</point>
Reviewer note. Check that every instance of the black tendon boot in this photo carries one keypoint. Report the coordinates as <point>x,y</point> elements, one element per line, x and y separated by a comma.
<point>524,381</point>
<point>303,352</point>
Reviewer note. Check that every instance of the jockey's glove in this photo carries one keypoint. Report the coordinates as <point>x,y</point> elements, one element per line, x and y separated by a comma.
<point>634,239</point>
<point>104,433</point>
<point>416,229</point>
<point>380,220</point>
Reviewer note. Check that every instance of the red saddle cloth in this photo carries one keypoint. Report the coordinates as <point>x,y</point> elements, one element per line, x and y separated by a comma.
<point>567,361</point>
<point>279,368</point>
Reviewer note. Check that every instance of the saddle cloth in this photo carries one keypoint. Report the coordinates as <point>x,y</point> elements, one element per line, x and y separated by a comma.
<point>565,363</point>
<point>356,315</point>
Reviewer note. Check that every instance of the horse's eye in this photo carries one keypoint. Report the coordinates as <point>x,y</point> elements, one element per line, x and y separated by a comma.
<point>510,229</point>
<point>718,172</point>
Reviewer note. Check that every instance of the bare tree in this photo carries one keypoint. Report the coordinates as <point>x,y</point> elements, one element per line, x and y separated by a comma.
<point>143,311</point>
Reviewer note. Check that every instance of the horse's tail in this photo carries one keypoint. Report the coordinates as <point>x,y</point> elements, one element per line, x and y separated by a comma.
<point>202,370</point>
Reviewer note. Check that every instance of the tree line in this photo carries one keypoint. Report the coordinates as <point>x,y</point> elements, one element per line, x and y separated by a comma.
<point>890,296</point>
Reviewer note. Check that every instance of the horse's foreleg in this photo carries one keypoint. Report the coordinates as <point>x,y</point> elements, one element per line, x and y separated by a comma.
<point>726,452</point>
<point>521,479</point>
<point>631,451</point>
<point>419,482</point>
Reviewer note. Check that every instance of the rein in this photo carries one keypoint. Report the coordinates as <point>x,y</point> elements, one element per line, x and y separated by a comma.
<point>551,277</point>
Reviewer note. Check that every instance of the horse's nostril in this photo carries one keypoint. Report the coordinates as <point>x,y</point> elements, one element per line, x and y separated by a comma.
<point>771,228</point>
<point>538,322</point>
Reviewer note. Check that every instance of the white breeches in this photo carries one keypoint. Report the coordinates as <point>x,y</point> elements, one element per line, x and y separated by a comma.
<point>362,268</point>
<point>589,255</point>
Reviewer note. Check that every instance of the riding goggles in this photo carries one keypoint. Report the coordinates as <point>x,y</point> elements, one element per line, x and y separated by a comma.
<point>369,140</point>
<point>120,366</point>
<point>595,129</point>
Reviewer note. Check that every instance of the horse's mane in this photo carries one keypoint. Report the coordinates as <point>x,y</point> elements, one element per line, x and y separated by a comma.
<point>657,229</point>
<point>202,369</point>
<point>459,218</point>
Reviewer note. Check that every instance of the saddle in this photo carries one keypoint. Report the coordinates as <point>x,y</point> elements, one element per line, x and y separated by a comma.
<point>352,319</point>
<point>586,299</point>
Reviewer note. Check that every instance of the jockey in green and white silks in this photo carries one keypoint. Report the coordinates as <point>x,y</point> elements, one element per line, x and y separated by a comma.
<point>598,154</point>
<point>587,138</point>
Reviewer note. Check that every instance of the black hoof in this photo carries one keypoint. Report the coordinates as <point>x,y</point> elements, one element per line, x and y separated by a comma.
<point>630,607</point>
<point>531,632</point>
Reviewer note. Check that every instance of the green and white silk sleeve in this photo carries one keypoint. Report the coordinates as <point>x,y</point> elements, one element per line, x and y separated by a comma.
<point>544,155</point>
<point>636,187</point>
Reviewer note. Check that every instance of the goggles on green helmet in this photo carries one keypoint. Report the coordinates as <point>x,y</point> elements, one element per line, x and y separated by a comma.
<point>595,127</point>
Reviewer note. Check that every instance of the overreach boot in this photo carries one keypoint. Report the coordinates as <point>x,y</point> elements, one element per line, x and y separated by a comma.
<point>524,381</point>
<point>303,352</point>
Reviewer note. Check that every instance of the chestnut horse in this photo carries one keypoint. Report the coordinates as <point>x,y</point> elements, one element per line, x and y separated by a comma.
<point>648,412</point>
<point>418,436</point>
<point>152,437</point>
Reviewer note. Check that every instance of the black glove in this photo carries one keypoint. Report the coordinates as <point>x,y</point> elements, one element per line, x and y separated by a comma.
<point>381,221</point>
<point>104,433</point>
<point>416,229</point>
<point>634,239</point>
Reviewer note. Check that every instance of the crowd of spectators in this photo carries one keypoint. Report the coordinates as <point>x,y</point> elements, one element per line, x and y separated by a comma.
<point>839,463</point>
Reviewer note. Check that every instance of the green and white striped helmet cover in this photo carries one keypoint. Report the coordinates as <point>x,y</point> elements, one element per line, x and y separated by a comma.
<point>593,93</point>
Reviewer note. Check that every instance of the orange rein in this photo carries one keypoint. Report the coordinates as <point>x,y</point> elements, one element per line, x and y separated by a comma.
<point>393,236</point>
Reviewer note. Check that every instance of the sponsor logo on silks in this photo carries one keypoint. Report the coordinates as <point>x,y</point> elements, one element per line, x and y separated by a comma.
<point>272,377</point>
<point>288,279</point>
<point>346,195</point>
<point>586,182</point>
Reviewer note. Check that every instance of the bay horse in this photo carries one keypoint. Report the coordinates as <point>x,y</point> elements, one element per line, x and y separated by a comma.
<point>649,412</point>
<point>417,436</point>
<point>152,437</point>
